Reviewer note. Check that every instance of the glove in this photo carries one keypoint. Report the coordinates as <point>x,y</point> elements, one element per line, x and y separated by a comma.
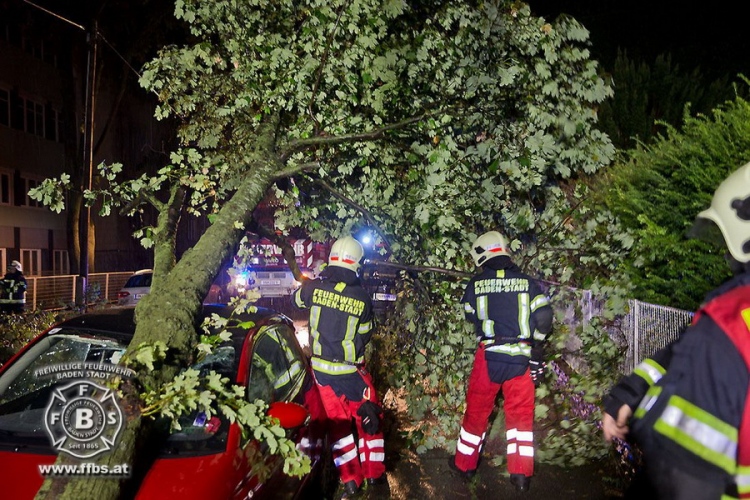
<point>371,414</point>
<point>537,371</point>
<point>537,365</point>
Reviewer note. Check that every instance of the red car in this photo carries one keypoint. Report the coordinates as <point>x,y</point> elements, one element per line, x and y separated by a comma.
<point>52,400</point>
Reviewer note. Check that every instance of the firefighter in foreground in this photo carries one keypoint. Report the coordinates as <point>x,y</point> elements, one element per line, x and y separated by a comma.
<point>512,318</point>
<point>340,329</point>
<point>689,402</point>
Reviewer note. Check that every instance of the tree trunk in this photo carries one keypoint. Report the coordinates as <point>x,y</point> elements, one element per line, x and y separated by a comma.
<point>169,314</point>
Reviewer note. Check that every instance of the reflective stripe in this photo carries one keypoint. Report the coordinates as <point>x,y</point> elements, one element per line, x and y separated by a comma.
<point>648,401</point>
<point>465,450</point>
<point>314,332</point>
<point>482,309</point>
<point>525,436</point>
<point>698,431</point>
<point>539,301</point>
<point>526,451</point>
<point>511,349</point>
<point>343,442</point>
<point>298,299</point>
<point>347,345</point>
<point>470,438</point>
<point>650,371</point>
<point>468,308</point>
<point>365,327</point>
<point>743,479</point>
<point>488,328</point>
<point>524,313</point>
<point>539,335</point>
<point>346,457</point>
<point>377,457</point>
<point>330,367</point>
<point>375,443</point>
<point>511,434</point>
<point>512,448</point>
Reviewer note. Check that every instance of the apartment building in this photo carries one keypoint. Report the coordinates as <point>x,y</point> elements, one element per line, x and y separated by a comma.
<point>43,64</point>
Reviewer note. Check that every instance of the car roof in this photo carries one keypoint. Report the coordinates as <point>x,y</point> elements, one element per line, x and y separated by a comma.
<point>120,320</point>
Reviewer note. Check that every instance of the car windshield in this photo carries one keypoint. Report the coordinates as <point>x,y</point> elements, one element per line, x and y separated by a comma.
<point>27,387</point>
<point>139,281</point>
<point>198,433</point>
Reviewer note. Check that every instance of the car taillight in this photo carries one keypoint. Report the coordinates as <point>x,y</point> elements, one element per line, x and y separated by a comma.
<point>122,295</point>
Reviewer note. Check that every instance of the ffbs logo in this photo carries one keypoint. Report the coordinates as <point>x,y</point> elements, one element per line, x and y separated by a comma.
<point>83,419</point>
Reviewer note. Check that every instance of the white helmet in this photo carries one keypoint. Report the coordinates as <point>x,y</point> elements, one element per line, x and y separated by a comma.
<point>346,252</point>
<point>489,245</point>
<point>17,265</point>
<point>730,211</point>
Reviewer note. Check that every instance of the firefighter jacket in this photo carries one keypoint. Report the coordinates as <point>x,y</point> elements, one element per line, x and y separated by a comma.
<point>691,398</point>
<point>341,320</point>
<point>509,310</point>
<point>13,289</point>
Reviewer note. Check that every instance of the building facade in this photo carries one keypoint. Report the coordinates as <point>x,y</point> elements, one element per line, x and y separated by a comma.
<point>43,75</point>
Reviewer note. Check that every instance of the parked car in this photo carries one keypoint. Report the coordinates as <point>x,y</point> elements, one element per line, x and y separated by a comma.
<point>206,458</point>
<point>137,286</point>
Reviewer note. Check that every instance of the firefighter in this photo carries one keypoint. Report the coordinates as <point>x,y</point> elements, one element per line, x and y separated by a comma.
<point>13,289</point>
<point>340,328</point>
<point>512,319</point>
<point>687,407</point>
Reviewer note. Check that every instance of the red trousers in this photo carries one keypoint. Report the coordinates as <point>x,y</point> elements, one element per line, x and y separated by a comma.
<point>519,418</point>
<point>354,460</point>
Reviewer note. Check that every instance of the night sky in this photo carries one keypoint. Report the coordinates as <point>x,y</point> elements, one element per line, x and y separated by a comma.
<point>711,35</point>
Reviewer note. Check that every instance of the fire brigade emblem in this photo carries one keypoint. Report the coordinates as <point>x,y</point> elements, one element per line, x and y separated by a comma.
<point>83,419</point>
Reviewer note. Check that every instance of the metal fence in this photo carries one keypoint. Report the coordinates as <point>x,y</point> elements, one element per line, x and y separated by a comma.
<point>59,292</point>
<point>648,327</point>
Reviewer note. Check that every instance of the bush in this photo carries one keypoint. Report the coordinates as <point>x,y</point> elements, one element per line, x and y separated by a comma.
<point>16,330</point>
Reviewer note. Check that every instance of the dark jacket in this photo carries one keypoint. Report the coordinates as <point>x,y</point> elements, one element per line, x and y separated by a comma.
<point>690,397</point>
<point>13,291</point>
<point>341,321</point>
<point>510,313</point>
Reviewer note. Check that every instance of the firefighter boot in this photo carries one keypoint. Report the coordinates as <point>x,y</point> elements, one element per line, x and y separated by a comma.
<point>521,482</point>
<point>465,474</point>
<point>351,490</point>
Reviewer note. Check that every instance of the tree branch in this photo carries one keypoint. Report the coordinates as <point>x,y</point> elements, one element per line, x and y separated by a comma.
<point>298,169</point>
<point>286,249</point>
<point>319,74</point>
<point>365,213</point>
<point>327,140</point>
<point>420,269</point>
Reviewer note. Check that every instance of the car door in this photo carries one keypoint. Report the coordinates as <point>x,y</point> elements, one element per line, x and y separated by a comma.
<point>277,373</point>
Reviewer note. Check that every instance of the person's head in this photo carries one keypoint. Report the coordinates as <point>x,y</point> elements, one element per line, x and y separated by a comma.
<point>730,213</point>
<point>346,252</point>
<point>488,246</point>
<point>15,267</point>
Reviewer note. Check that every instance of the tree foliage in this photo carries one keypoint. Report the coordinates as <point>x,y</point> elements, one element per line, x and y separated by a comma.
<point>440,120</point>
<point>660,188</point>
<point>649,94</point>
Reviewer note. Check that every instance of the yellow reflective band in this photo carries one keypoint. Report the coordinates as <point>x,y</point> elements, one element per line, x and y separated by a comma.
<point>331,368</point>
<point>650,371</point>
<point>648,401</point>
<point>510,349</point>
<point>699,432</point>
<point>742,478</point>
